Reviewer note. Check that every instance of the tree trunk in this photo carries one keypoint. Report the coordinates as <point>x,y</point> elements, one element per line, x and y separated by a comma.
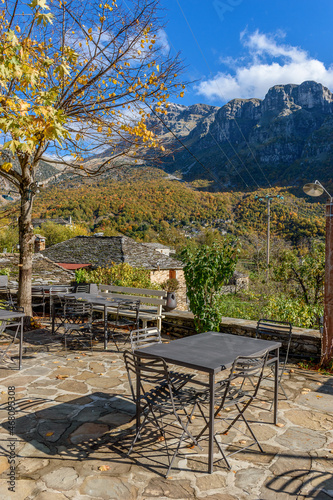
<point>26,240</point>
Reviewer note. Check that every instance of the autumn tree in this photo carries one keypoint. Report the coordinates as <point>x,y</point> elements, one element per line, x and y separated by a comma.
<point>78,79</point>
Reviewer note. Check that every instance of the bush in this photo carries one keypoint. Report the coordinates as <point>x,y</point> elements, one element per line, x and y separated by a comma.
<point>296,311</point>
<point>119,275</point>
<point>207,268</point>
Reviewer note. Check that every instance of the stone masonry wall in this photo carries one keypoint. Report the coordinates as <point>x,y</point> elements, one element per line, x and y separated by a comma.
<point>305,342</point>
<point>161,276</point>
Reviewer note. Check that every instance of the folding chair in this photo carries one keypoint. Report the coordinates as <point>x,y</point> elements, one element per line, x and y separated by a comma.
<point>78,322</point>
<point>145,337</point>
<point>230,393</point>
<point>148,336</point>
<point>5,290</point>
<point>127,319</point>
<point>158,400</point>
<point>282,330</point>
<point>39,294</point>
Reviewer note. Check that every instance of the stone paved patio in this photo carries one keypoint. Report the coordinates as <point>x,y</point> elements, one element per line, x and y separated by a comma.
<point>74,419</point>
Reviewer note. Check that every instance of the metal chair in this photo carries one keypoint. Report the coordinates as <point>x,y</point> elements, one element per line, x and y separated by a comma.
<point>230,393</point>
<point>127,319</point>
<point>39,294</point>
<point>148,336</point>
<point>282,330</point>
<point>145,337</point>
<point>5,290</point>
<point>82,288</point>
<point>55,292</point>
<point>77,322</point>
<point>158,400</point>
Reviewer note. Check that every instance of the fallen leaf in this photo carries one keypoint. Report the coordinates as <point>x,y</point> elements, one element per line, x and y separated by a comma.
<point>76,357</point>
<point>56,361</point>
<point>279,425</point>
<point>101,373</point>
<point>114,361</point>
<point>292,371</point>
<point>190,446</point>
<point>161,438</point>
<point>103,467</point>
<point>49,434</point>
<point>62,377</point>
<point>242,441</point>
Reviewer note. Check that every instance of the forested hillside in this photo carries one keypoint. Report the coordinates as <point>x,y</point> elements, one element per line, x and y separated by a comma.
<point>151,206</point>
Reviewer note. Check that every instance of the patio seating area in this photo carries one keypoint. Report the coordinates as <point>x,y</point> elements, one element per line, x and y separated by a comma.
<point>75,422</point>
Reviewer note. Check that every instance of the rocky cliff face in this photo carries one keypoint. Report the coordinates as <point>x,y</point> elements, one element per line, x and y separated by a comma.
<point>284,138</point>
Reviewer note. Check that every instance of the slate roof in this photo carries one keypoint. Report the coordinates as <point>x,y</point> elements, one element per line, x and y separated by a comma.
<point>103,250</point>
<point>43,270</point>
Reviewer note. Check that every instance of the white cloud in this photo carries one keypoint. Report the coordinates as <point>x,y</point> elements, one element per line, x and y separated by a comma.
<point>269,62</point>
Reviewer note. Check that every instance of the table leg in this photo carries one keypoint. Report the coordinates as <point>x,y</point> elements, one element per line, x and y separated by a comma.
<point>105,327</point>
<point>21,344</point>
<point>276,386</point>
<point>138,386</point>
<point>211,422</point>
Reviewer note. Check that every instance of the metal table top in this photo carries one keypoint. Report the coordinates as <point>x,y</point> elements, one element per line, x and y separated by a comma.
<point>210,351</point>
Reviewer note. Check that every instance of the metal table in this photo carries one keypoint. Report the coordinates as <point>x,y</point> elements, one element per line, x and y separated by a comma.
<point>7,316</point>
<point>211,352</point>
<point>94,300</point>
<point>109,304</point>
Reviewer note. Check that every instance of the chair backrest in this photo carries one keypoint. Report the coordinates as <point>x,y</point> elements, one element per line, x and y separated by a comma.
<point>145,337</point>
<point>3,281</point>
<point>77,308</point>
<point>37,291</point>
<point>129,305</point>
<point>243,370</point>
<point>83,288</point>
<point>276,329</point>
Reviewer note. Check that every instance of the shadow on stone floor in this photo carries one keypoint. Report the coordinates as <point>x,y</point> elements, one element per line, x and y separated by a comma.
<point>301,484</point>
<point>75,428</point>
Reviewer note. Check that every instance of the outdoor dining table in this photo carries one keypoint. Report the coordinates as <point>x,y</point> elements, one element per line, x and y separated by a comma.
<point>96,300</point>
<point>7,316</point>
<point>211,353</point>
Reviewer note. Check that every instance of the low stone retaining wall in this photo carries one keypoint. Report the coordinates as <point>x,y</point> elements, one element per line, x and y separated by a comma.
<point>305,342</point>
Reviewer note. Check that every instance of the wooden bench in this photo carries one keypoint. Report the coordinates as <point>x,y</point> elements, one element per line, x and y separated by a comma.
<point>151,301</point>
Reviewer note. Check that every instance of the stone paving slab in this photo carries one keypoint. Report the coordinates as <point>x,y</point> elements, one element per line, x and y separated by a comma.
<point>74,426</point>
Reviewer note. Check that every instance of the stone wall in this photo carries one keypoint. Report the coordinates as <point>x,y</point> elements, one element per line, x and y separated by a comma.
<point>305,343</point>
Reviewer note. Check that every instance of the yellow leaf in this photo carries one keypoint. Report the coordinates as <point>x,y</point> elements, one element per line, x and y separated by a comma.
<point>90,30</point>
<point>6,166</point>
<point>49,434</point>
<point>158,67</point>
<point>103,467</point>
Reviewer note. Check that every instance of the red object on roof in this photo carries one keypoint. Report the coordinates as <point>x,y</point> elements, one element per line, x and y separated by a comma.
<point>72,267</point>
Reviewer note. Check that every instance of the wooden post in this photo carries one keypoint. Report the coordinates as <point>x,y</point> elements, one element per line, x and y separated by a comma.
<point>327,337</point>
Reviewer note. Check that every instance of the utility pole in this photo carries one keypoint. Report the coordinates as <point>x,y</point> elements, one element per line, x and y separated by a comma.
<point>268,235</point>
<point>317,189</point>
<point>268,198</point>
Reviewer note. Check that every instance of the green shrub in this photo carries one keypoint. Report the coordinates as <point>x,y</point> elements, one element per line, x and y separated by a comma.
<point>119,275</point>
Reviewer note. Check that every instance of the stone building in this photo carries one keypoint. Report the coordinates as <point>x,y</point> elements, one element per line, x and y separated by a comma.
<point>103,251</point>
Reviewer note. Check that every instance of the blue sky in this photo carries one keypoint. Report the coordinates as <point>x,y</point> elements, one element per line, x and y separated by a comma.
<point>246,46</point>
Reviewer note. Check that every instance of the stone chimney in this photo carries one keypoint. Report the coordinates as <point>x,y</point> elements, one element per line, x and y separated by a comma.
<point>39,243</point>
